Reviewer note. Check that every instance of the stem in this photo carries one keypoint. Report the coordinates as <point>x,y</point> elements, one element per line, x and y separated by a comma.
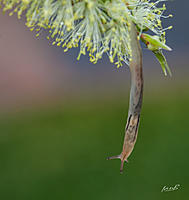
<point>136,94</point>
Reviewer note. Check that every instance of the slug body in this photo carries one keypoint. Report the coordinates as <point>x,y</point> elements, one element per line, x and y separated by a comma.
<point>136,95</point>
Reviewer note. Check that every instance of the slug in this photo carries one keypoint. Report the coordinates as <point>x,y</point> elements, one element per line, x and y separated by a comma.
<point>136,95</point>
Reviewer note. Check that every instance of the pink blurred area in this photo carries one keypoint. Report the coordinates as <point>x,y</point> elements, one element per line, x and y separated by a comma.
<point>29,73</point>
<point>35,72</point>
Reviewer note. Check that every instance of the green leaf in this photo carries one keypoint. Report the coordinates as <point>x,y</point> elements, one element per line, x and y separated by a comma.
<point>163,62</point>
<point>153,42</point>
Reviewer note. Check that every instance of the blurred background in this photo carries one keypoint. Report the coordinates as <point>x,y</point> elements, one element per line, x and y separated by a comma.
<point>60,118</point>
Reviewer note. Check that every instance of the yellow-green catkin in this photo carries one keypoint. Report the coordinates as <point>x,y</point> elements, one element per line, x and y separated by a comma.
<point>95,26</point>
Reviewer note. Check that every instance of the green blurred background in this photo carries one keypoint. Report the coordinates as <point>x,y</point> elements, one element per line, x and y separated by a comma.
<point>61,118</point>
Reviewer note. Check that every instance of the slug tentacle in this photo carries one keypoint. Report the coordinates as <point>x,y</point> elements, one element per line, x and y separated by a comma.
<point>136,95</point>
